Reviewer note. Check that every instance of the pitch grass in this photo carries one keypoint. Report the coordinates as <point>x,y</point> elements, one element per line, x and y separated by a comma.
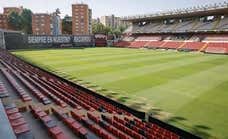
<point>189,90</point>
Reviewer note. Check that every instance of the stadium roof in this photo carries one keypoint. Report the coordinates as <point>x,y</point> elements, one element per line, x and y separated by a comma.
<point>207,10</point>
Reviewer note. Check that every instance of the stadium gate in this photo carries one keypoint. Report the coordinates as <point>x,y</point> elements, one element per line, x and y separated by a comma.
<point>100,39</point>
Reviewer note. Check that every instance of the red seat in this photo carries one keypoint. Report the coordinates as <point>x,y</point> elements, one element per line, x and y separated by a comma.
<point>69,121</point>
<point>21,129</point>
<point>61,136</point>
<point>115,132</point>
<point>25,99</point>
<point>46,119</point>
<point>12,111</point>
<point>123,136</point>
<point>82,132</point>
<point>15,116</point>
<point>41,114</point>
<point>76,115</point>
<point>18,122</point>
<point>54,131</point>
<point>35,109</point>
<point>76,126</point>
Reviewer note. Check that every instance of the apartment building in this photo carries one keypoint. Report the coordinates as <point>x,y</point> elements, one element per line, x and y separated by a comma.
<point>6,12</point>
<point>81,19</point>
<point>3,21</point>
<point>112,21</point>
<point>41,24</point>
<point>46,24</point>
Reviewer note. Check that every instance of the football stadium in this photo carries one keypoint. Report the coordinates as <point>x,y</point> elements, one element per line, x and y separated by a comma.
<point>165,78</point>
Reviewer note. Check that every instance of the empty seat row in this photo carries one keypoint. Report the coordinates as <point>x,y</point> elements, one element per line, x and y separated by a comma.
<point>219,48</point>
<point>88,102</point>
<point>210,47</point>
<point>18,123</point>
<point>122,44</point>
<point>172,45</point>
<point>44,90</point>
<point>51,92</point>
<point>53,129</point>
<point>154,44</point>
<point>108,107</point>
<point>137,44</point>
<point>193,46</point>
<point>108,127</point>
<point>130,125</point>
<point>151,130</point>
<point>37,81</point>
<point>3,91</point>
<point>75,126</point>
<point>21,92</point>
<point>45,100</point>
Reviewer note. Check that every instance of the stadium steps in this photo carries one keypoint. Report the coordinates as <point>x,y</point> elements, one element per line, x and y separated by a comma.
<point>195,23</point>
<point>161,46</point>
<point>182,45</point>
<point>160,27</point>
<point>147,44</point>
<point>216,24</point>
<point>175,27</point>
<point>203,48</point>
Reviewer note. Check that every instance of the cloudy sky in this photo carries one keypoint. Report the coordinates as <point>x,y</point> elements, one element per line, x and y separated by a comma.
<point>107,7</point>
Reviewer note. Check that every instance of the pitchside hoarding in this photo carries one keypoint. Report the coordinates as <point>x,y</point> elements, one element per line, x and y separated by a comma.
<point>82,40</point>
<point>49,39</point>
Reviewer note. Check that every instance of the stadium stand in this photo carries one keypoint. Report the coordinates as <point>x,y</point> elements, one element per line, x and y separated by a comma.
<point>216,38</point>
<point>82,114</point>
<point>223,24</point>
<point>218,48</point>
<point>192,29</point>
<point>66,110</point>
<point>192,46</point>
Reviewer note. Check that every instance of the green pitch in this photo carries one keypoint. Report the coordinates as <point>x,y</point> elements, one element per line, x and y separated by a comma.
<point>189,90</point>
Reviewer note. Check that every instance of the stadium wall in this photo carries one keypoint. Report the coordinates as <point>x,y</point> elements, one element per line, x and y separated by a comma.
<point>17,40</point>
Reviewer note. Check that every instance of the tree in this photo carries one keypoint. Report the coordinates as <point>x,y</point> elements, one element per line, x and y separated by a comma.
<point>15,21</point>
<point>67,25</point>
<point>117,32</point>
<point>122,28</point>
<point>26,18</point>
<point>98,28</point>
<point>21,21</point>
